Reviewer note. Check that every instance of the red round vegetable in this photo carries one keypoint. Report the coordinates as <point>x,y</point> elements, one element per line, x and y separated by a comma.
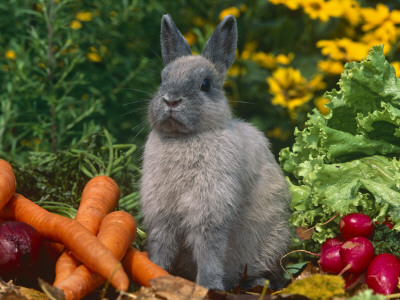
<point>356,254</point>
<point>388,223</point>
<point>20,251</point>
<point>330,242</point>
<point>331,261</point>
<point>383,274</point>
<point>356,224</point>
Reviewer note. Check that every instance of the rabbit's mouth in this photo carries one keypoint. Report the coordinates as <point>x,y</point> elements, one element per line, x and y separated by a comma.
<point>172,125</point>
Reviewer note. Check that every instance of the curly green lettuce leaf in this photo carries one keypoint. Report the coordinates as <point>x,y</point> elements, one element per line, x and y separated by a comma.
<point>349,160</point>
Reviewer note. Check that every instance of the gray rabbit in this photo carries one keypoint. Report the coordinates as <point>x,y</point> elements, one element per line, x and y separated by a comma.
<point>214,200</point>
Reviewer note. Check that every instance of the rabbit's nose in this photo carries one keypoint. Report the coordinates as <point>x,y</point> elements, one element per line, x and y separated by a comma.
<point>171,102</point>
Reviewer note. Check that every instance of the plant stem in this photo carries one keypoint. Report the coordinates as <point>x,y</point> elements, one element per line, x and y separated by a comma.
<point>51,75</point>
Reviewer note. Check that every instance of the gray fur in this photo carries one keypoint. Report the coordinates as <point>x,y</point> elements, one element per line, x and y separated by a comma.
<point>213,198</point>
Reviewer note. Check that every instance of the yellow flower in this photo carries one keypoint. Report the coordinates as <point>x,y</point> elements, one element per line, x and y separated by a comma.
<point>396,66</point>
<point>373,17</point>
<point>331,67</point>
<point>248,49</point>
<point>75,24</point>
<point>93,56</point>
<point>230,11</point>
<point>395,16</point>
<point>113,14</point>
<point>289,88</point>
<point>386,34</point>
<point>264,60</point>
<point>269,61</point>
<point>320,104</point>
<point>317,9</point>
<point>316,83</point>
<point>283,59</point>
<point>343,49</point>
<point>347,9</point>
<point>191,38</point>
<point>278,133</point>
<point>291,4</point>
<point>84,16</point>
<point>236,70</point>
<point>84,97</point>
<point>10,54</point>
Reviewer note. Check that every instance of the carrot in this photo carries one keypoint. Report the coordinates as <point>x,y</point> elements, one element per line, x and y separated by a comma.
<point>117,232</point>
<point>83,245</point>
<point>138,265</point>
<point>99,197</point>
<point>8,183</point>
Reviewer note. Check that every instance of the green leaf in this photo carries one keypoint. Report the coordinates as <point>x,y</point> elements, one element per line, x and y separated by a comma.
<point>348,161</point>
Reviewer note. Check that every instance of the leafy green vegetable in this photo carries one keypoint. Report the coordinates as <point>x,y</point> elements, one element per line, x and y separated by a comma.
<point>348,160</point>
<point>386,240</point>
<point>367,295</point>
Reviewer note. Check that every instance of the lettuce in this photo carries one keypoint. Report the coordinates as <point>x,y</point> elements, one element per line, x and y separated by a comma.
<point>348,160</point>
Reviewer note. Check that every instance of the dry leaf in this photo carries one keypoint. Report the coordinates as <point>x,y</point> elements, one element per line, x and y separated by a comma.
<point>304,233</point>
<point>176,288</point>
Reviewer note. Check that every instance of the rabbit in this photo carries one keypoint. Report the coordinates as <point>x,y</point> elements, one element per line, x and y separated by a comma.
<point>215,202</point>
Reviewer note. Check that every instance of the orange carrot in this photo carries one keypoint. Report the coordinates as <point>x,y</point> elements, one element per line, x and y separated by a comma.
<point>138,265</point>
<point>83,245</point>
<point>117,232</point>
<point>99,197</point>
<point>7,182</point>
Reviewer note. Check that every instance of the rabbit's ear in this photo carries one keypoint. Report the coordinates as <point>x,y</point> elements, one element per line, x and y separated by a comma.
<point>220,49</point>
<point>173,44</point>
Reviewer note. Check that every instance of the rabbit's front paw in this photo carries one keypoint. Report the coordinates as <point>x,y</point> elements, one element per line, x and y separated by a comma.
<point>210,277</point>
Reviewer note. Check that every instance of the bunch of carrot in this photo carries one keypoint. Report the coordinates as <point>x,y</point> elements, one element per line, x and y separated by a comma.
<point>97,243</point>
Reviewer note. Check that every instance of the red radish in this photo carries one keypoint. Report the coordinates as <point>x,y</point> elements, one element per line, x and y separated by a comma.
<point>356,224</point>
<point>356,254</point>
<point>330,242</point>
<point>383,274</point>
<point>388,223</point>
<point>20,251</point>
<point>331,261</point>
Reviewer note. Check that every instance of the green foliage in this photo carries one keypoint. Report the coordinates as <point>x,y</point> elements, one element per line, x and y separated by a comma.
<point>367,295</point>
<point>386,240</point>
<point>348,160</point>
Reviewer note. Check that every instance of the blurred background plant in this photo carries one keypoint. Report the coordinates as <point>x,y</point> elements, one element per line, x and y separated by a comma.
<point>70,71</point>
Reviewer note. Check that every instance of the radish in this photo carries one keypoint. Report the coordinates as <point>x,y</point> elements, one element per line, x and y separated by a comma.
<point>356,254</point>
<point>383,274</point>
<point>330,242</point>
<point>356,224</point>
<point>331,261</point>
<point>388,223</point>
<point>21,248</point>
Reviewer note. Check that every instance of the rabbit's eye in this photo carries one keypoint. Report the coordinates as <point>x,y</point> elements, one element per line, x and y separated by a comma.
<point>205,85</point>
